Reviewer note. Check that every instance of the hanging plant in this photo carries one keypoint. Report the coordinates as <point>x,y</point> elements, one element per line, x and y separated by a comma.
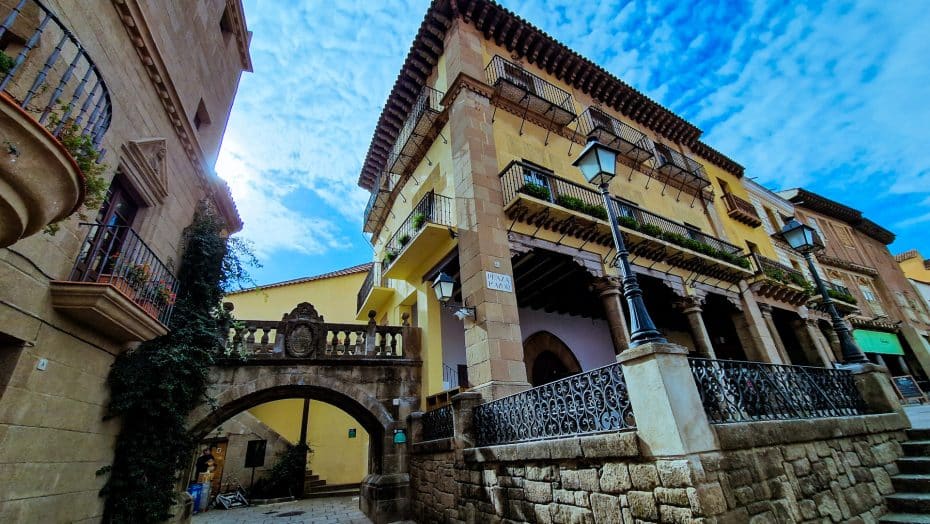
<point>154,387</point>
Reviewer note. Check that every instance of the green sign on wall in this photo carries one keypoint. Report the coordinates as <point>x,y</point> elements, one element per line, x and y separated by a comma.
<point>878,342</point>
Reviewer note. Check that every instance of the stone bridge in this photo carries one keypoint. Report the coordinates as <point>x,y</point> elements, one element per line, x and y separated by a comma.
<point>371,372</point>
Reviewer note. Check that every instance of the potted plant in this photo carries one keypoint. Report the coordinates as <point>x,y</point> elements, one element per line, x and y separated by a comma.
<point>418,220</point>
<point>404,239</point>
<point>390,256</point>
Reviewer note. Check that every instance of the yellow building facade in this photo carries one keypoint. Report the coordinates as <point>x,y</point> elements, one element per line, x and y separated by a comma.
<point>471,172</point>
<point>340,444</point>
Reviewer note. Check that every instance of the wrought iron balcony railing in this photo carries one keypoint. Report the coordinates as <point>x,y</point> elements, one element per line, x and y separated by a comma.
<point>590,402</point>
<point>529,91</point>
<point>613,133</point>
<point>736,391</point>
<point>46,70</point>
<point>523,178</point>
<point>116,255</point>
<point>432,209</point>
<point>778,271</point>
<point>437,424</point>
<point>679,167</point>
<point>741,210</point>
<point>377,208</point>
<point>411,144</point>
<point>374,278</point>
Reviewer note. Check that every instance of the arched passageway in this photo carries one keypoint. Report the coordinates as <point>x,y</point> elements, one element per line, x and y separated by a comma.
<point>547,358</point>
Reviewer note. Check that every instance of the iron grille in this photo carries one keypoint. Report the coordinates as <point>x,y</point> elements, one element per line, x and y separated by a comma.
<point>52,76</point>
<point>737,391</point>
<point>614,133</point>
<point>408,146</point>
<point>680,167</point>
<point>591,402</point>
<point>117,256</point>
<point>437,424</point>
<point>374,277</point>
<point>529,91</point>
<point>433,208</point>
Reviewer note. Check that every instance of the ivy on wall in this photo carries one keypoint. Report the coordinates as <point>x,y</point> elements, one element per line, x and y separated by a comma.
<point>154,387</point>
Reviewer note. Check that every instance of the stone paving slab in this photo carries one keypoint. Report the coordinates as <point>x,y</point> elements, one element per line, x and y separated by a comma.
<point>335,510</point>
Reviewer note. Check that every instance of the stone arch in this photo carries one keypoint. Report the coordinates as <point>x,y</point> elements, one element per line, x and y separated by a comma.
<point>544,348</point>
<point>235,390</point>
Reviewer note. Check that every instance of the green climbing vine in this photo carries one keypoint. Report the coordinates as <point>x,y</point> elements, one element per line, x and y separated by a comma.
<point>154,387</point>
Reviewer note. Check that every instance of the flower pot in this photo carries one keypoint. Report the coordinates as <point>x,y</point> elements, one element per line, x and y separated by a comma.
<point>150,308</point>
<point>119,283</point>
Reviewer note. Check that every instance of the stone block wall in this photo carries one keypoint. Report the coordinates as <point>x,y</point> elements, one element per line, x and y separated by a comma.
<point>828,470</point>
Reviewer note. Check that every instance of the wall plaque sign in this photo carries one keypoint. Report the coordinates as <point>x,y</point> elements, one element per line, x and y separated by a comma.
<point>499,282</point>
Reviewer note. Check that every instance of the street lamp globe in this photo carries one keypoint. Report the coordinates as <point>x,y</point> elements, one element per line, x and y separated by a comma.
<point>597,162</point>
<point>442,286</point>
<point>802,238</point>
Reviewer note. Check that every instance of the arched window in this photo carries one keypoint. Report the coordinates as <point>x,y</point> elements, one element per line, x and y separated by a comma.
<point>547,358</point>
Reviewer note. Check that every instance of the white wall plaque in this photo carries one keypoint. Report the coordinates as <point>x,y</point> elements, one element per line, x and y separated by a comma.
<point>499,282</point>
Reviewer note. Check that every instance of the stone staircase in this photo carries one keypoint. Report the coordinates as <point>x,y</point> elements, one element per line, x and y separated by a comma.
<point>911,501</point>
<point>315,487</point>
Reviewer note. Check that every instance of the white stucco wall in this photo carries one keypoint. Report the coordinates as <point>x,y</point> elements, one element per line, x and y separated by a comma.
<point>588,339</point>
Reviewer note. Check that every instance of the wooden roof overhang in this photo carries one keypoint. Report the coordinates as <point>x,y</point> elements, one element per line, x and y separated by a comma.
<point>540,49</point>
<point>831,208</point>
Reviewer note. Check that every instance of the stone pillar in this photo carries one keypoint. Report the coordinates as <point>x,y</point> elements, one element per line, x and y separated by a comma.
<point>493,342</point>
<point>609,289</point>
<point>670,418</point>
<point>463,427</point>
<point>874,384</point>
<point>751,328</point>
<point>766,311</point>
<point>820,344</point>
<point>384,496</point>
<point>834,344</point>
<point>691,307</point>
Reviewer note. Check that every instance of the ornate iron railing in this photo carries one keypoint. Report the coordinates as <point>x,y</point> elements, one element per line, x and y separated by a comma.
<point>521,177</point>
<point>432,208</point>
<point>374,277</point>
<point>680,167</point>
<point>408,147</point>
<point>591,402</point>
<point>116,255</point>
<point>614,133</point>
<point>47,71</point>
<point>737,391</point>
<point>437,424</point>
<point>518,85</point>
<point>377,207</point>
<point>778,271</point>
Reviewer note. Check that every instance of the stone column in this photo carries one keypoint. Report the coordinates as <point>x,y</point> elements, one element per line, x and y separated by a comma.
<point>874,384</point>
<point>766,311</point>
<point>691,307</point>
<point>670,418</point>
<point>751,328</point>
<point>821,346</point>
<point>608,288</point>
<point>493,342</point>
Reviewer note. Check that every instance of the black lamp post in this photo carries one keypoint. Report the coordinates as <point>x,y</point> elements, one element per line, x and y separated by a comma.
<point>805,240</point>
<point>598,164</point>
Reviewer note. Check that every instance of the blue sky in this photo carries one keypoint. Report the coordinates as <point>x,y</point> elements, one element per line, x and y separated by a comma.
<point>832,96</point>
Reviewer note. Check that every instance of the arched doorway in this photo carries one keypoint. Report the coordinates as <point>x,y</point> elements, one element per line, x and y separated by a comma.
<point>547,358</point>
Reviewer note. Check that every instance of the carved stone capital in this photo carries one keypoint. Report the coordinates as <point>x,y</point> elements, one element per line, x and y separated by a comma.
<point>606,286</point>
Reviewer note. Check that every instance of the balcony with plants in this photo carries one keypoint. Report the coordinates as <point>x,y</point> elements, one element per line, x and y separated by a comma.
<point>422,239</point>
<point>529,92</point>
<point>741,210</point>
<point>842,298</point>
<point>118,286</point>
<point>780,282</point>
<point>54,112</point>
<point>535,196</point>
<point>374,292</point>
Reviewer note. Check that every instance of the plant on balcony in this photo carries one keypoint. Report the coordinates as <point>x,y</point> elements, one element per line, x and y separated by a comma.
<point>390,256</point>
<point>839,295</point>
<point>418,220</point>
<point>137,275</point>
<point>153,388</point>
<point>81,148</point>
<point>650,229</point>
<point>577,204</point>
<point>536,191</point>
<point>6,63</point>
<point>628,222</point>
<point>403,239</point>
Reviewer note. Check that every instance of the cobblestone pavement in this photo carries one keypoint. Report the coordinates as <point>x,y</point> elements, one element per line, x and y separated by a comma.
<point>335,510</point>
